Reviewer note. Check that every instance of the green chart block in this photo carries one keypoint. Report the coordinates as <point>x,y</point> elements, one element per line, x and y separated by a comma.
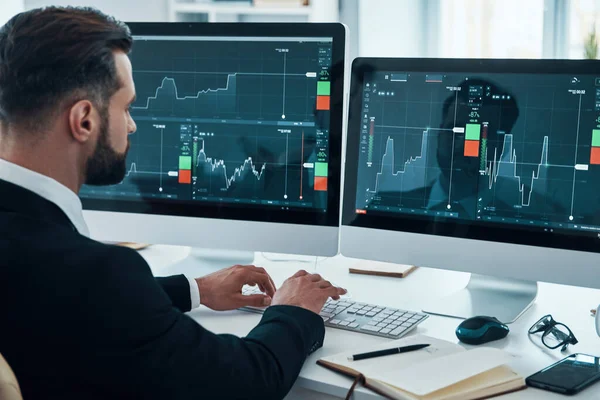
<point>185,162</point>
<point>473,132</point>
<point>323,88</point>
<point>596,138</point>
<point>320,169</point>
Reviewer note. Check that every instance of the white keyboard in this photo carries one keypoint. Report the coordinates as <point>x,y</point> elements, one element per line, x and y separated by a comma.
<point>360,317</point>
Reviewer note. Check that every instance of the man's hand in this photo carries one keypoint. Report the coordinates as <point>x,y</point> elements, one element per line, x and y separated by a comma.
<point>308,291</point>
<point>222,290</point>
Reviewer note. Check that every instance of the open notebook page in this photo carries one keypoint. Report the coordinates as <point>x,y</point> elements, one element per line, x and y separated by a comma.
<point>373,367</point>
<point>435,374</point>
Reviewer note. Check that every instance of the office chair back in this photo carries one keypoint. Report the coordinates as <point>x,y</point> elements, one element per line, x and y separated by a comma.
<point>9,386</point>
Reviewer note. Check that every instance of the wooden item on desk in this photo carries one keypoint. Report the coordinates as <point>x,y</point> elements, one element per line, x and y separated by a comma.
<point>134,246</point>
<point>382,269</point>
<point>442,371</point>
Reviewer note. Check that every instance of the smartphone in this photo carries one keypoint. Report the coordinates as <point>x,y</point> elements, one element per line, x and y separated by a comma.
<point>568,376</point>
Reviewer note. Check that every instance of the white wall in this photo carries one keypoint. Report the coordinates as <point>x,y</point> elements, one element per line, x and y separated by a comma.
<point>390,28</point>
<point>349,15</point>
<point>125,10</point>
<point>9,8</point>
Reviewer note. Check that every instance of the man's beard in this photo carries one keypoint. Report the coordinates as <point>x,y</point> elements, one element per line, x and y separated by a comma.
<point>106,166</point>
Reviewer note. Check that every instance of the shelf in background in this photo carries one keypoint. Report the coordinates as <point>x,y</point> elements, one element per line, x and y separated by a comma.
<point>318,10</point>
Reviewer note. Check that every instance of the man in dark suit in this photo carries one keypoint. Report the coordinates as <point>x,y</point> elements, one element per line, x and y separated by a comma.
<point>84,320</point>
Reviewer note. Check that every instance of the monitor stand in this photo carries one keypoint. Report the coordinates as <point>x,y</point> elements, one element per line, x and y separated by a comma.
<point>504,298</point>
<point>200,262</point>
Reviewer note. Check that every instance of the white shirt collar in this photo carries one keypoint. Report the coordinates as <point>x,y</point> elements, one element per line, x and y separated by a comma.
<point>47,188</point>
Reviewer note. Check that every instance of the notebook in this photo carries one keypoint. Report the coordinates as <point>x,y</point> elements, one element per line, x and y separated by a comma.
<point>442,371</point>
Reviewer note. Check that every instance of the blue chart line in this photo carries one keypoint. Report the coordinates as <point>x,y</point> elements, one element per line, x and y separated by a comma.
<point>506,168</point>
<point>217,169</point>
<point>412,176</point>
<point>168,90</point>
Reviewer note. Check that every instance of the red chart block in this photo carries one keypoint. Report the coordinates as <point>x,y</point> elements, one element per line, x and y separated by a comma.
<point>185,176</point>
<point>320,183</point>
<point>471,148</point>
<point>595,156</point>
<point>323,103</point>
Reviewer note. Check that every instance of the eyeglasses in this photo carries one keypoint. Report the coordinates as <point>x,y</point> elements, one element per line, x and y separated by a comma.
<point>554,334</point>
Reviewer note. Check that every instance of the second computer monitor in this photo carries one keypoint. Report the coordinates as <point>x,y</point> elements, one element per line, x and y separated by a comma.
<point>238,142</point>
<point>484,166</point>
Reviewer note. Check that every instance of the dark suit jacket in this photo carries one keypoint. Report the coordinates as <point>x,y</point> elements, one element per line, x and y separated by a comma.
<point>83,320</point>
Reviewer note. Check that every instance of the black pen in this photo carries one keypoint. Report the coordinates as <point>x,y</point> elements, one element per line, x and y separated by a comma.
<point>387,352</point>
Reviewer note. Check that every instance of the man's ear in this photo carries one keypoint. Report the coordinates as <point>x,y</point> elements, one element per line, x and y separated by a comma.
<point>83,121</point>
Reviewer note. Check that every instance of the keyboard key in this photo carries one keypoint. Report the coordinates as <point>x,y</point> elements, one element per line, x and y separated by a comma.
<point>381,321</point>
<point>397,331</point>
<point>370,328</point>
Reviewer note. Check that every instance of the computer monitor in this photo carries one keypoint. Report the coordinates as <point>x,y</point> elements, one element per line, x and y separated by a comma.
<point>238,141</point>
<point>485,166</point>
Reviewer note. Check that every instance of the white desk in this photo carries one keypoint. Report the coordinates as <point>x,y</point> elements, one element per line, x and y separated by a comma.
<point>567,304</point>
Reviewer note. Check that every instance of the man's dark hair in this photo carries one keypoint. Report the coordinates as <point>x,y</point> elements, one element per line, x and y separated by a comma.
<point>52,57</point>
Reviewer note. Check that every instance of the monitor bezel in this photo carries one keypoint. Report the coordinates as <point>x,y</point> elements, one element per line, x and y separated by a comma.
<point>230,211</point>
<point>440,226</point>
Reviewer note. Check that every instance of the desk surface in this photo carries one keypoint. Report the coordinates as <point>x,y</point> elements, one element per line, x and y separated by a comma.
<point>570,305</point>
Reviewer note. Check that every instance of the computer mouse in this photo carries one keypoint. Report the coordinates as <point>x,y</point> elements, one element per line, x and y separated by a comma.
<point>481,329</point>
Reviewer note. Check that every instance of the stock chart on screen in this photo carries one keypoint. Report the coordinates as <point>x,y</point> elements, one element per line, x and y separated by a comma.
<point>505,148</point>
<point>229,120</point>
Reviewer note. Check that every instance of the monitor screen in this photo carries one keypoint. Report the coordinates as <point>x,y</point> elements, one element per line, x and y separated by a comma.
<point>236,123</point>
<point>493,150</point>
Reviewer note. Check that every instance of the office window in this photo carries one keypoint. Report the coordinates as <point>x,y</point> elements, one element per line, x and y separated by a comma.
<point>391,28</point>
<point>8,9</point>
<point>583,20</point>
<point>491,28</point>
